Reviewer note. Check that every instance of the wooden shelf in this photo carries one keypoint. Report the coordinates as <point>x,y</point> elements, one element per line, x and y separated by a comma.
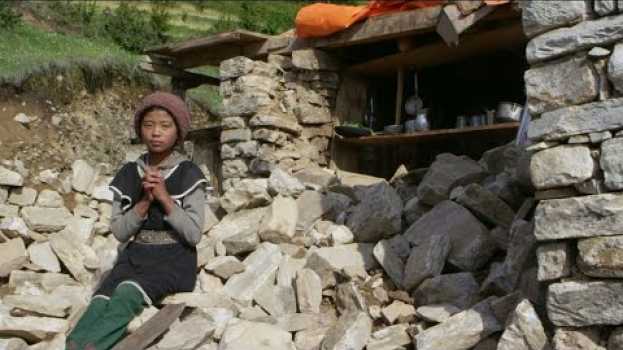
<point>501,129</point>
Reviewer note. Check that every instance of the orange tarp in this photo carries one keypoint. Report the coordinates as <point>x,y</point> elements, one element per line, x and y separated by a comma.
<point>323,19</point>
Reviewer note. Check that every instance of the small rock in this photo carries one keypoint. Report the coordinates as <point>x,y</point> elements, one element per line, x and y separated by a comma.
<point>279,224</point>
<point>283,183</point>
<point>245,335</point>
<point>308,291</point>
<point>12,256</point>
<point>350,333</point>
<point>398,311</point>
<point>524,331</point>
<point>10,178</point>
<point>555,260</point>
<point>41,255</point>
<point>224,266</point>
<point>580,339</point>
<point>248,194</point>
<point>389,338</point>
<point>49,199</point>
<point>438,313</point>
<point>458,289</point>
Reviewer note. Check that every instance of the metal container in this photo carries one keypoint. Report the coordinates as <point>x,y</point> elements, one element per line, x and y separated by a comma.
<point>410,125</point>
<point>508,112</point>
<point>461,122</point>
<point>421,121</point>
<point>393,129</point>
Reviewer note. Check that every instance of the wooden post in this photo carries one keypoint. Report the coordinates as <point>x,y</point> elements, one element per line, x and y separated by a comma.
<point>400,85</point>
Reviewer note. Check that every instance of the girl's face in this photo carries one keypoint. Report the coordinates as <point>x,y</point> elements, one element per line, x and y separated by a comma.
<point>158,131</point>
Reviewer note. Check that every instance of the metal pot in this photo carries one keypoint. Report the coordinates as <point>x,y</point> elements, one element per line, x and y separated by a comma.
<point>509,112</point>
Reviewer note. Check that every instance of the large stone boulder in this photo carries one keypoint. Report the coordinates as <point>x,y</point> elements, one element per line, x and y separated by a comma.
<point>486,206</point>
<point>378,214</point>
<point>447,172</point>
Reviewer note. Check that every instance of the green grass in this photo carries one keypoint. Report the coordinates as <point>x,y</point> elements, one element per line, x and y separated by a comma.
<point>26,49</point>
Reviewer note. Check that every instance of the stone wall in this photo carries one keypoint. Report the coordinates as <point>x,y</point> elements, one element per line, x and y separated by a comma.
<point>277,113</point>
<point>575,95</point>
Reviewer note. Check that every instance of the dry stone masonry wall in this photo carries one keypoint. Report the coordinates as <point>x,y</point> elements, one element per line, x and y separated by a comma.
<point>277,114</point>
<point>575,95</point>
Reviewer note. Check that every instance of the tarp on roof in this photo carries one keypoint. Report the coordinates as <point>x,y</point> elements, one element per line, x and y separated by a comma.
<point>321,19</point>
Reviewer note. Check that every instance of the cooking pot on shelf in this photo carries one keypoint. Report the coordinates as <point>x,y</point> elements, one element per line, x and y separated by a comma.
<point>508,112</point>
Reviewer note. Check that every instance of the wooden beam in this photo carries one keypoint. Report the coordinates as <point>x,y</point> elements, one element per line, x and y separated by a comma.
<point>189,78</point>
<point>377,28</point>
<point>400,90</point>
<point>151,329</point>
<point>474,44</point>
<point>452,23</point>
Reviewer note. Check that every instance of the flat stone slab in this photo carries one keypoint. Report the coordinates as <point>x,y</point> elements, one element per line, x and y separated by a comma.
<point>601,256</point>
<point>561,166</point>
<point>583,303</point>
<point>575,120</point>
<point>579,217</point>
<point>46,219</point>
<point>260,266</point>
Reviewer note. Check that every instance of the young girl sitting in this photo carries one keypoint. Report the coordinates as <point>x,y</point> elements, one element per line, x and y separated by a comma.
<point>158,209</point>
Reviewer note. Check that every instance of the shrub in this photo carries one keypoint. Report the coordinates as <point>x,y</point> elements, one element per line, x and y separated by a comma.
<point>9,17</point>
<point>133,29</point>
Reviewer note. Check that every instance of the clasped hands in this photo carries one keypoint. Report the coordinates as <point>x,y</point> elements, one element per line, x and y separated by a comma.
<point>154,189</point>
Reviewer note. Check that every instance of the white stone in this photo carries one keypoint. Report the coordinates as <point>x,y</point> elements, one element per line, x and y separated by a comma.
<point>12,256</point>
<point>340,234</point>
<point>524,331</point>
<point>611,163</point>
<point>41,255</point>
<point>245,335</point>
<point>249,193</point>
<point>390,338</point>
<point>23,196</point>
<point>561,166</point>
<point>437,313</point>
<point>74,255</point>
<point>32,328</point>
<point>46,305</point>
<point>7,210</point>
<point>45,219</point>
<point>261,265</point>
<point>48,176</point>
<point>14,227</point>
<point>390,261</point>
<point>82,176</point>
<point>283,183</point>
<point>187,334</point>
<point>308,291</point>
<point>351,332</point>
<point>10,178</point>
<point>225,266</point>
<point>555,260</point>
<point>50,199</point>
<point>397,310</point>
<point>279,224</point>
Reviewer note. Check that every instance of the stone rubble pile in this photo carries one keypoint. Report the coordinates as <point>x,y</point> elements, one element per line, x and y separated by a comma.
<point>317,259</point>
<point>575,93</point>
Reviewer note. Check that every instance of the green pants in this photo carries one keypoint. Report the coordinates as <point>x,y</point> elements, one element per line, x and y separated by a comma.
<point>105,321</point>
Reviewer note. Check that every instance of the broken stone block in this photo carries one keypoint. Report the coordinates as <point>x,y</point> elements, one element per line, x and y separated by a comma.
<point>8,211</point>
<point>349,298</point>
<point>389,338</point>
<point>599,256</point>
<point>310,339</point>
<point>357,256</point>
<point>378,214</point>
<point>279,223</point>
<point>42,256</point>
<point>340,234</point>
<point>277,300</point>
<point>302,321</point>
<point>447,172</point>
<point>461,331</point>
<point>438,313</point>
<point>585,303</point>
<point>414,209</point>
<point>615,68</point>
<point>240,225</point>
<point>14,227</point>
<point>74,255</point>
<point>261,265</point>
<point>524,331</point>
<point>390,261</point>
<point>579,339</point>
<point>471,245</point>
<point>486,206</point>
<point>314,59</point>
<point>82,176</point>
<point>308,291</point>
<point>605,7</point>
<point>244,335</point>
<point>398,311</point>
<point>225,266</point>
<point>312,206</point>
<point>458,289</point>
<point>426,260</point>
<point>248,194</point>
<point>10,178</point>
<point>31,328</point>
<point>13,344</point>
<point>579,217</point>
<point>12,256</point>
<point>555,260</point>
<point>288,268</point>
<point>46,219</point>
<point>350,333</point>
<point>280,182</point>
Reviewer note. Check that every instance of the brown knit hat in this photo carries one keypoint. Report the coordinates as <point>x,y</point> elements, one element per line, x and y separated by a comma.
<point>169,102</point>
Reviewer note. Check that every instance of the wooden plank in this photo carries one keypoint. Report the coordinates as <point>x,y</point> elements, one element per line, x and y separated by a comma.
<point>151,329</point>
<point>237,36</point>
<point>400,90</point>
<point>383,27</point>
<point>352,98</point>
<point>476,44</point>
<point>432,135</point>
